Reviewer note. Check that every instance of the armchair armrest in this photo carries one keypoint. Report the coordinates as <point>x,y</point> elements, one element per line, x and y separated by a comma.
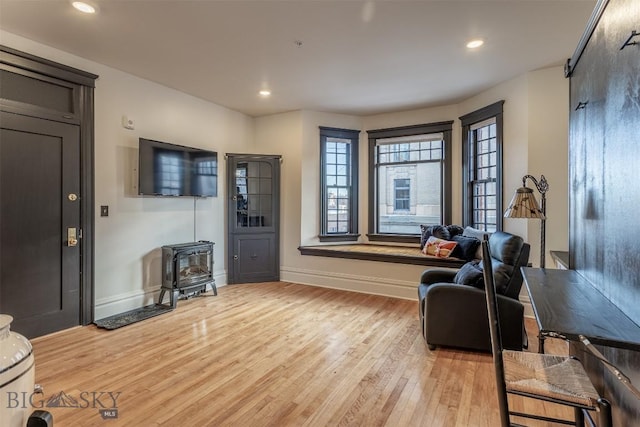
<point>456,315</point>
<point>431,276</point>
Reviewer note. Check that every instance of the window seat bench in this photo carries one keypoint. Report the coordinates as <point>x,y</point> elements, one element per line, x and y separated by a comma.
<point>382,253</point>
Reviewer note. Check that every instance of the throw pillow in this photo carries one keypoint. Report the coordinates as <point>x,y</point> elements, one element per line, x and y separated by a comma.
<point>466,248</point>
<point>478,234</point>
<point>470,274</point>
<point>454,230</point>
<point>438,231</point>
<point>438,247</point>
<point>501,275</point>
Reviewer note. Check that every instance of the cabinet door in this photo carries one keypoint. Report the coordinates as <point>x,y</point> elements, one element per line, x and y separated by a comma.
<point>255,258</point>
<point>253,190</point>
<point>605,116</point>
<point>619,138</point>
<point>588,98</point>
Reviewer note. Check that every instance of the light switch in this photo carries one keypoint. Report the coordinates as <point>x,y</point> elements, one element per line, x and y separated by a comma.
<point>104,210</point>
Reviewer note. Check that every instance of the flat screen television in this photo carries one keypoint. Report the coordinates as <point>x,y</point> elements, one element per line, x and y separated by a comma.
<point>174,170</point>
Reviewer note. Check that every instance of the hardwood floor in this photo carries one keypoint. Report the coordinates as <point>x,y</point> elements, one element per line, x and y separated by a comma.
<point>270,354</point>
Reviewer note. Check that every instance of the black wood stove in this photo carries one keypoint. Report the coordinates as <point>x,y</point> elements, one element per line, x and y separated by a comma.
<point>187,269</point>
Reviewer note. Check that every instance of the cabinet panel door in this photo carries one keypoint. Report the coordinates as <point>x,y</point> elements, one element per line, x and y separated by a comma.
<point>253,191</point>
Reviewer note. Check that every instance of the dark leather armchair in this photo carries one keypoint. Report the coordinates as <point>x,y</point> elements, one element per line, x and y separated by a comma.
<point>455,315</point>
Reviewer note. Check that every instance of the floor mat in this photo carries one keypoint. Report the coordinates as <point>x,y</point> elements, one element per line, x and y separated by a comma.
<point>133,316</point>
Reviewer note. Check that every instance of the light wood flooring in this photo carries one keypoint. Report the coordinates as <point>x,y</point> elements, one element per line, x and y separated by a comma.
<point>272,354</point>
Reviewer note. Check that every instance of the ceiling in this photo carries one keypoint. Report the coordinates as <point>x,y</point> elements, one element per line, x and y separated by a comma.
<point>349,56</point>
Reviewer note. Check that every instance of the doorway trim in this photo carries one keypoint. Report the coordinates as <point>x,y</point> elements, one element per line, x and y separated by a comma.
<point>84,117</point>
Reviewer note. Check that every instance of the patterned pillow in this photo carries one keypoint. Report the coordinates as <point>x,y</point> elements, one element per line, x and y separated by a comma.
<point>438,247</point>
<point>439,231</point>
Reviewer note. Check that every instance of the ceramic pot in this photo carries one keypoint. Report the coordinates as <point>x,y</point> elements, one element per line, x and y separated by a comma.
<point>17,375</point>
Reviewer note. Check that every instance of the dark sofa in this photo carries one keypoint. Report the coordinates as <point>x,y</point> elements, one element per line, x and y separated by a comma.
<point>455,315</point>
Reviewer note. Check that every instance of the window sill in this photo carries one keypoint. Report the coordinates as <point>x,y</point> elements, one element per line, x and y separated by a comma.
<point>381,253</point>
<point>338,237</point>
<point>394,238</point>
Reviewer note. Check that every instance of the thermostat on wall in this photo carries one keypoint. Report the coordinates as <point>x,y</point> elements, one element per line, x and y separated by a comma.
<point>127,123</point>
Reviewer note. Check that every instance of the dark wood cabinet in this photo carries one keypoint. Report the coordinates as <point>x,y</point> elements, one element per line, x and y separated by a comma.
<point>253,206</point>
<point>604,154</point>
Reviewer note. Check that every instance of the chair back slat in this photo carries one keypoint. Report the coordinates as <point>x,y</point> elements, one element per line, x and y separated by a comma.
<point>496,340</point>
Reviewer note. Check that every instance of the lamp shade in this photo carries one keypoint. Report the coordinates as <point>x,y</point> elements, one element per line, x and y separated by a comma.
<point>524,205</point>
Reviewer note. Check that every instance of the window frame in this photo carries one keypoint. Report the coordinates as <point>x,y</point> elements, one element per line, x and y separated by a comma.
<point>445,128</point>
<point>396,199</point>
<point>353,136</point>
<point>493,111</point>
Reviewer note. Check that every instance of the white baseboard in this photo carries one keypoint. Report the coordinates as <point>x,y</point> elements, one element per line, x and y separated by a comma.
<point>351,282</point>
<point>524,299</point>
<point>365,284</point>
<point>347,282</point>
<point>121,303</point>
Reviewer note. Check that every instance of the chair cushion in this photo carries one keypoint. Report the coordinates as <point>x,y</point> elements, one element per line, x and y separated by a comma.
<point>505,247</point>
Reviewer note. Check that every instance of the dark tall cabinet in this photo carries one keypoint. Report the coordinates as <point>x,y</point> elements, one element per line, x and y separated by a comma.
<point>604,153</point>
<point>253,197</point>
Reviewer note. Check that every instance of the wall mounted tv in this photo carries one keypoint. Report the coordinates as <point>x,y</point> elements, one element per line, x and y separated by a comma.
<point>174,170</point>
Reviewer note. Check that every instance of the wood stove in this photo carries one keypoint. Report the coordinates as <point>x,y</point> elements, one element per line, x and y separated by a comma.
<point>187,269</point>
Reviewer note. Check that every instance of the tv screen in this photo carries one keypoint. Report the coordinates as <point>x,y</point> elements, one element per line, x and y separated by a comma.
<point>174,170</point>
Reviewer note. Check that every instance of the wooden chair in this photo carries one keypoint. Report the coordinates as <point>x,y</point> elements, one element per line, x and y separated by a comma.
<point>557,379</point>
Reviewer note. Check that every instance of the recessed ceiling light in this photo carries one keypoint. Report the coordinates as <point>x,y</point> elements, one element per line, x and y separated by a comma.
<point>83,7</point>
<point>473,44</point>
<point>265,93</point>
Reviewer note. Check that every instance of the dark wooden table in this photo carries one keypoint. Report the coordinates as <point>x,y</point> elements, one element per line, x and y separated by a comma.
<point>567,306</point>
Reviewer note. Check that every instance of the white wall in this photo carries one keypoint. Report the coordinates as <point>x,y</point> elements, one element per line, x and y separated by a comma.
<point>310,165</point>
<point>515,139</point>
<point>417,117</point>
<point>282,134</point>
<point>295,135</point>
<point>536,118</point>
<point>128,241</point>
<point>535,123</point>
<point>549,156</point>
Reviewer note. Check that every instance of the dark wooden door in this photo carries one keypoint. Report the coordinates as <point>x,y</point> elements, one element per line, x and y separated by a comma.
<point>253,190</point>
<point>39,207</point>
